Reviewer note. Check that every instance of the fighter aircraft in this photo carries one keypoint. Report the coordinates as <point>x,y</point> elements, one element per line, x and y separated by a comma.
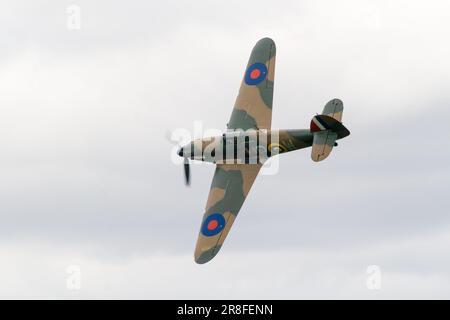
<point>247,144</point>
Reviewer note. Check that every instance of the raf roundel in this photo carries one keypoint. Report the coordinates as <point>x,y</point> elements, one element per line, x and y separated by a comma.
<point>255,74</point>
<point>213,225</point>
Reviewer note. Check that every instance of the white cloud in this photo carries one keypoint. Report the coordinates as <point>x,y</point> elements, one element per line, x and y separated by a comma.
<point>410,268</point>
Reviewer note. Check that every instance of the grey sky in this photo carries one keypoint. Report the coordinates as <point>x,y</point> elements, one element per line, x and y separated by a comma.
<point>86,176</point>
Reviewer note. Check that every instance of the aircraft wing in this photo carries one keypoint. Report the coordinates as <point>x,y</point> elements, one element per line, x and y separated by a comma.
<point>253,107</point>
<point>229,188</point>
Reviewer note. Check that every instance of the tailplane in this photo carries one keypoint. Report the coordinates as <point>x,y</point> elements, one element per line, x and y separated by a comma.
<point>327,128</point>
<point>334,108</point>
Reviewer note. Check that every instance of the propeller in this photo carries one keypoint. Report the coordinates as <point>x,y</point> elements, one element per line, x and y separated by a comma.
<point>187,172</point>
<point>186,165</point>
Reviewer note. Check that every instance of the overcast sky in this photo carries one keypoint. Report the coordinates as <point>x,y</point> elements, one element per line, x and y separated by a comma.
<point>86,177</point>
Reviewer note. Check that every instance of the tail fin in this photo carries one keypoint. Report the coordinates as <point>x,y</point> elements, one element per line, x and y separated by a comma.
<point>327,128</point>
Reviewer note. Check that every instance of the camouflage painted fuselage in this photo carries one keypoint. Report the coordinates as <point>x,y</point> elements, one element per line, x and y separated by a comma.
<point>247,147</point>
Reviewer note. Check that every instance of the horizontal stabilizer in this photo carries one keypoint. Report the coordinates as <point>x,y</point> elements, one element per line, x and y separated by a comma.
<point>323,143</point>
<point>334,109</point>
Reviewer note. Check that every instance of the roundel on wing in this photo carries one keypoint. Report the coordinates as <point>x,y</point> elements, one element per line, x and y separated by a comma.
<point>255,74</point>
<point>213,225</point>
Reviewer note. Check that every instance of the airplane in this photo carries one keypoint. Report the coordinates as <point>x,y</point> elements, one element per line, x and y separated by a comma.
<point>248,143</point>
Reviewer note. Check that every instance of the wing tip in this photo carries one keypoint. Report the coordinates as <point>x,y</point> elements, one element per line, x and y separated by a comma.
<point>266,43</point>
<point>267,39</point>
<point>202,257</point>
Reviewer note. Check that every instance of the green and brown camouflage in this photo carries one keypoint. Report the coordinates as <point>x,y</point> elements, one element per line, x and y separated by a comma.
<point>229,188</point>
<point>253,106</point>
<point>240,152</point>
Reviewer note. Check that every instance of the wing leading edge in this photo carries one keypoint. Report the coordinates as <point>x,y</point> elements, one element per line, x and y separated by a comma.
<point>229,188</point>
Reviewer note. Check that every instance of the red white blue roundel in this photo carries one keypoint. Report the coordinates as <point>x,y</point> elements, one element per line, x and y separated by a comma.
<point>213,224</point>
<point>256,73</point>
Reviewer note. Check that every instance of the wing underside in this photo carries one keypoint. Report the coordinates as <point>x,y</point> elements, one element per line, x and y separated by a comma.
<point>231,183</point>
<point>230,186</point>
<point>253,107</point>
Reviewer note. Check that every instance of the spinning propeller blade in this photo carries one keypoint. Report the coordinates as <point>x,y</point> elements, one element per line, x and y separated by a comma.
<point>187,172</point>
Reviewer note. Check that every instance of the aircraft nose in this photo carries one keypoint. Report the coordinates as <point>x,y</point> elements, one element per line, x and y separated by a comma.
<point>180,152</point>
